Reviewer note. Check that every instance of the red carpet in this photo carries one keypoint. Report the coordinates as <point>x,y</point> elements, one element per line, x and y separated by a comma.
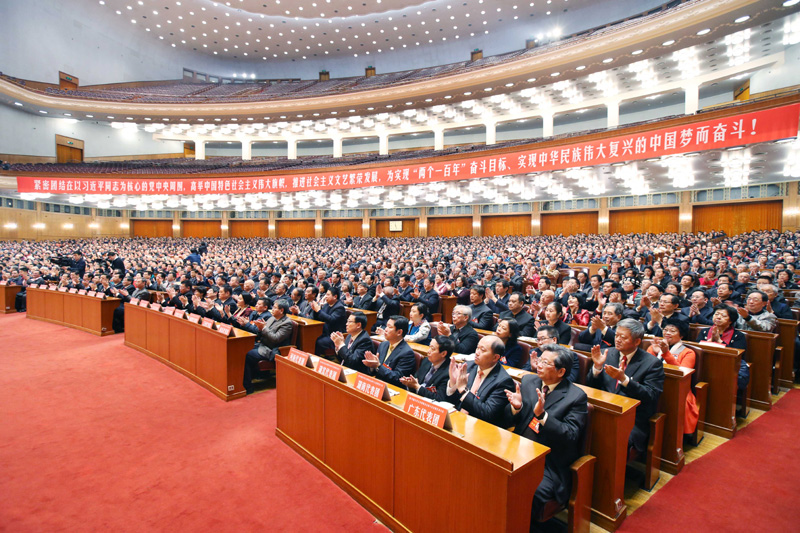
<point>749,484</point>
<point>96,436</point>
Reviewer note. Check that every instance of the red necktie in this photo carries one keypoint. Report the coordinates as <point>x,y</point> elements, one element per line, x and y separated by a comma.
<point>477,383</point>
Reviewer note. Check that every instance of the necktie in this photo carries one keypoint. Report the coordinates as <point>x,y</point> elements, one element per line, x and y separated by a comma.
<point>545,390</point>
<point>623,362</point>
<point>428,376</point>
<point>477,383</point>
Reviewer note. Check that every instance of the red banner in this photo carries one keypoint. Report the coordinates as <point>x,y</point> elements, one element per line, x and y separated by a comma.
<point>749,128</point>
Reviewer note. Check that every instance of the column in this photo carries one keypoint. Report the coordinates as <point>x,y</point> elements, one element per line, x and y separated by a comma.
<point>291,145</point>
<point>438,139</point>
<point>247,150</point>
<point>318,223</point>
<point>613,113</point>
<point>491,132</point>
<point>176,224</point>
<point>383,143</point>
<point>476,221</point>
<point>692,91</point>
<point>199,150</point>
<point>602,217</point>
<point>365,222</point>
<point>791,207</point>
<point>337,147</point>
<point>271,230</point>
<point>536,218</point>
<point>547,125</point>
<point>423,221</point>
<point>685,212</point>
<point>224,227</point>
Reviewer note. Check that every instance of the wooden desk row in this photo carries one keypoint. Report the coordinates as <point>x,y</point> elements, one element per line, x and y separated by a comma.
<point>206,356</point>
<point>9,294</point>
<point>385,458</point>
<point>86,313</point>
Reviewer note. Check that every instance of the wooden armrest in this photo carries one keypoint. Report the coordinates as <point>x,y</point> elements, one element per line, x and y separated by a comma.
<point>776,370</point>
<point>701,396</point>
<point>580,501</point>
<point>437,317</point>
<point>653,459</point>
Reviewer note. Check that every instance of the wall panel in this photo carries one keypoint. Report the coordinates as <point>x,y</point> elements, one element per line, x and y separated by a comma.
<point>202,228</point>
<point>151,228</point>
<point>380,228</point>
<point>291,229</point>
<point>657,220</point>
<point>506,225</point>
<point>738,217</point>
<point>249,228</point>
<point>569,223</point>
<point>341,228</point>
<point>450,227</point>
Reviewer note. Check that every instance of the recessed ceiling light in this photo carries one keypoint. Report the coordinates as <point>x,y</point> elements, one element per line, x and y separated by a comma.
<point>531,80</point>
<point>608,60</point>
<point>580,67</point>
<point>18,103</point>
<point>637,52</point>
<point>704,31</point>
<point>742,19</point>
<point>790,3</point>
<point>555,74</point>
<point>42,111</point>
<point>668,43</point>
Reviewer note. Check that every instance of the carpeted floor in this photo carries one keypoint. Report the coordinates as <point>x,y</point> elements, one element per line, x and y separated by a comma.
<point>749,484</point>
<point>96,436</point>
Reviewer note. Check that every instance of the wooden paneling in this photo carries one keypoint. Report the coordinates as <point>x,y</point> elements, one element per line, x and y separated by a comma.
<point>202,228</point>
<point>569,223</point>
<point>658,220</point>
<point>68,154</point>
<point>506,225</point>
<point>249,228</point>
<point>380,228</point>
<point>290,229</point>
<point>151,228</point>
<point>450,227</point>
<point>738,217</point>
<point>341,228</point>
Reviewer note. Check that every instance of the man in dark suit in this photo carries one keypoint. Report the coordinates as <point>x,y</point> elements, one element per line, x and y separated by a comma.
<point>78,264</point>
<point>462,333</point>
<point>387,304</point>
<point>405,288</point>
<point>601,331</point>
<point>549,335</point>
<point>547,408</point>
<point>261,313</point>
<point>434,371</point>
<point>516,310</point>
<point>478,387</point>
<point>428,296</point>
<point>630,371</point>
<point>497,300</point>
<point>701,311</point>
<point>118,322</point>
<point>362,299</point>
<point>351,349</point>
<point>333,314</point>
<point>272,334</point>
<point>666,313</point>
<point>116,263</point>
<point>395,358</point>
<point>481,314</point>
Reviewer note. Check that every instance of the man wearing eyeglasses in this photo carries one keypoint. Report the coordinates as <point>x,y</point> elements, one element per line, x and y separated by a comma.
<point>547,408</point>
<point>462,332</point>
<point>549,335</point>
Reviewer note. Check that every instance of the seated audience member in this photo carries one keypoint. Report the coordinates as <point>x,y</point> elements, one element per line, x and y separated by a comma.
<point>777,304</point>
<point>387,304</point>
<point>395,358</point>
<point>724,332</point>
<point>547,408</point>
<point>601,331</point>
<point>672,351</point>
<point>419,330</point>
<point>463,334</point>
<point>351,349</point>
<point>549,335</point>
<point>575,315</point>
<point>554,315</point>
<point>478,387</point>
<point>629,371</point>
<point>482,317</point>
<point>497,300</point>
<point>434,371</point>
<point>334,316</point>
<point>754,316</point>
<point>700,311</point>
<point>363,300</point>
<point>508,332</point>
<point>139,292</point>
<point>666,313</point>
<point>260,313</point>
<point>274,333</point>
<point>461,290</point>
<point>516,310</point>
<point>427,296</point>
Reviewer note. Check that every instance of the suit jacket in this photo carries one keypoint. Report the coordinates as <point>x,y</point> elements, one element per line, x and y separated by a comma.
<point>490,401</point>
<point>526,323</point>
<point>430,299</point>
<point>604,341</point>
<point>703,318</point>
<point>481,317</point>
<point>500,306</point>
<point>466,339</point>
<point>392,307</point>
<point>363,302</point>
<point>399,363</point>
<point>405,294</point>
<point>352,351</point>
<point>658,329</point>
<point>646,373</point>
<point>436,387</point>
<point>276,333</point>
<point>334,317</point>
<point>566,422</point>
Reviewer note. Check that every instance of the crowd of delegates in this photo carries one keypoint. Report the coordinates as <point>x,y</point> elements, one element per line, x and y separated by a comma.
<point>507,288</point>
